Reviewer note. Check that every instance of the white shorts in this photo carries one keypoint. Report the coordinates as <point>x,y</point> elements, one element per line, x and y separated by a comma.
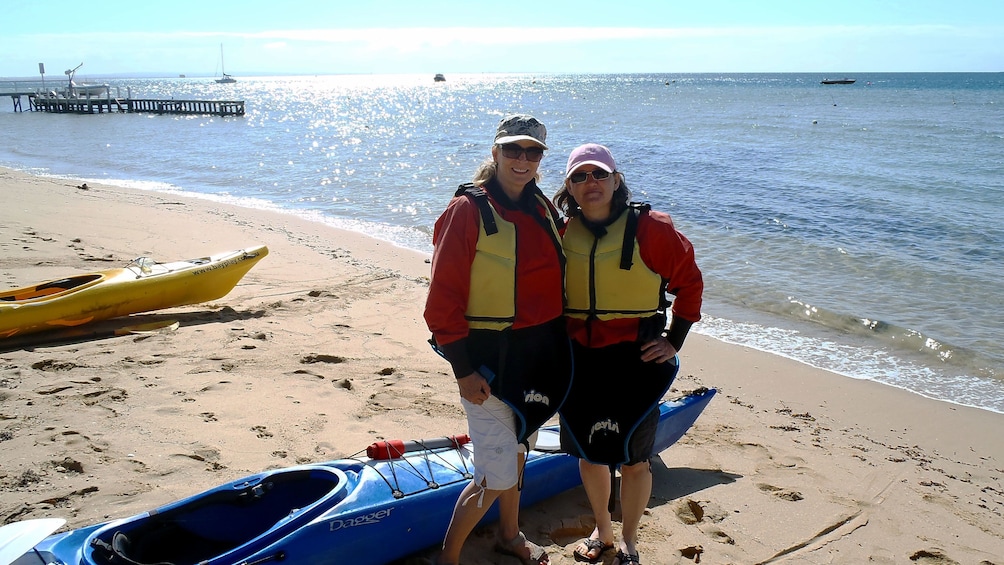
<point>492,428</point>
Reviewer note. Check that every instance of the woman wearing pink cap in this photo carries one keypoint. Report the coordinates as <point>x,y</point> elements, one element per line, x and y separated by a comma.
<point>622,259</point>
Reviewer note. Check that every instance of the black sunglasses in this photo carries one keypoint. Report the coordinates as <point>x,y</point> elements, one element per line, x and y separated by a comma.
<point>513,151</point>
<point>598,174</point>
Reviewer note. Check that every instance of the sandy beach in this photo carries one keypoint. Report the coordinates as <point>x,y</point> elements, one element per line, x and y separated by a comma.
<point>321,350</point>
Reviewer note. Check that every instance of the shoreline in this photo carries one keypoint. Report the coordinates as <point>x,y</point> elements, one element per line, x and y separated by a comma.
<point>787,460</point>
<point>821,347</point>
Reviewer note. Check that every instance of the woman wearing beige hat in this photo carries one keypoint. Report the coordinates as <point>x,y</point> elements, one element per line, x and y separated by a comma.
<point>495,311</point>
<point>622,259</point>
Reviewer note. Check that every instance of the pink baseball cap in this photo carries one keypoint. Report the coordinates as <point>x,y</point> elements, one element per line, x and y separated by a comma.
<point>590,154</point>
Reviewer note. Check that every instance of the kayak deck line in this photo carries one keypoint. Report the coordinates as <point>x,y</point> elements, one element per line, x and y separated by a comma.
<point>428,448</point>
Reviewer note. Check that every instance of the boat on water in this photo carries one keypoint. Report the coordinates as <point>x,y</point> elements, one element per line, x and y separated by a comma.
<point>225,79</point>
<point>439,78</point>
<point>141,286</point>
<point>80,90</point>
<point>837,81</point>
<point>88,90</point>
<point>394,501</point>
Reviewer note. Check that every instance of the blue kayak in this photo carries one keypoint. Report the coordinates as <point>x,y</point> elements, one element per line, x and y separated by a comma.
<point>396,500</point>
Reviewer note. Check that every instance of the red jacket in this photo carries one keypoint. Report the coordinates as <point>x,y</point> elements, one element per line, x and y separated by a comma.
<point>539,284</point>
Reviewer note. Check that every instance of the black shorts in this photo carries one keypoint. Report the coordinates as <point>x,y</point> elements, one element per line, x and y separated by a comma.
<point>611,414</point>
<point>639,447</point>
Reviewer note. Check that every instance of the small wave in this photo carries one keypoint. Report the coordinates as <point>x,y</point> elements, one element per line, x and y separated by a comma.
<point>861,361</point>
<point>903,341</point>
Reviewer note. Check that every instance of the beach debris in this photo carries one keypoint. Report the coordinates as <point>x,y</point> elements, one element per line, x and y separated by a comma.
<point>68,465</point>
<point>692,552</point>
<point>934,556</point>
<point>322,358</point>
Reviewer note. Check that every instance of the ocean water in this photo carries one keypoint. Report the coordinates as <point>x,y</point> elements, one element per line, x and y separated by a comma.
<point>856,228</point>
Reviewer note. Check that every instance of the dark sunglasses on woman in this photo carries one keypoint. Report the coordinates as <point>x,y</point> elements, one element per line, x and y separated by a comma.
<point>598,174</point>
<point>513,151</point>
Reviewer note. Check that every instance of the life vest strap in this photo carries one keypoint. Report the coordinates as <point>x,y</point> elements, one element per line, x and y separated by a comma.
<point>635,209</point>
<point>480,198</point>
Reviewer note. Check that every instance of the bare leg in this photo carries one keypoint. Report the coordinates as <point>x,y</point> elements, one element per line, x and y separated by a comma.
<point>636,490</point>
<point>466,515</point>
<point>509,509</point>
<point>596,481</point>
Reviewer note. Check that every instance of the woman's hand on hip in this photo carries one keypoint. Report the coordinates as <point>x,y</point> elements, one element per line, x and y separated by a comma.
<point>474,388</point>
<point>658,350</point>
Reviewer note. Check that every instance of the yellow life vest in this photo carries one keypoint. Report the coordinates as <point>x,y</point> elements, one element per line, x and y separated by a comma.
<point>603,278</point>
<point>491,304</point>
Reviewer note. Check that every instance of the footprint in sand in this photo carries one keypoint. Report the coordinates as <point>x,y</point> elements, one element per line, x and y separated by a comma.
<point>689,511</point>
<point>53,365</point>
<point>784,494</point>
<point>262,432</point>
<point>719,535</point>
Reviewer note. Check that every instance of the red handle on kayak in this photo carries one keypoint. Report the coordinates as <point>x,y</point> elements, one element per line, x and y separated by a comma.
<point>395,448</point>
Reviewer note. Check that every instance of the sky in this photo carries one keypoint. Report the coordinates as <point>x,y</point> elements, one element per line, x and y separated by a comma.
<point>308,37</point>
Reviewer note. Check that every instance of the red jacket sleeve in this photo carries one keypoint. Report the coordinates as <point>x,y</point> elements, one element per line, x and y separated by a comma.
<point>669,253</point>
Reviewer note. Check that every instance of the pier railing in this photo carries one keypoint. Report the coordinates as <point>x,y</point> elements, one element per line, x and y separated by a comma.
<point>25,87</point>
<point>81,101</point>
<point>214,107</point>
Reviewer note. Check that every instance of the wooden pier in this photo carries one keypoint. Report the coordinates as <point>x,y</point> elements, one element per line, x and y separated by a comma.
<point>84,100</point>
<point>98,105</point>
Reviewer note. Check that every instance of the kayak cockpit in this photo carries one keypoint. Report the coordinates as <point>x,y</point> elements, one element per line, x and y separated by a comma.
<point>47,289</point>
<point>229,521</point>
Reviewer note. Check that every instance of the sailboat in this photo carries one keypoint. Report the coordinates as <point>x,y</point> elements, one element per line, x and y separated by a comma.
<point>225,79</point>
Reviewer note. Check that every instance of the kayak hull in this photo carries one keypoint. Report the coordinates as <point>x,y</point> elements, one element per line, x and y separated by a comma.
<point>141,286</point>
<point>326,513</point>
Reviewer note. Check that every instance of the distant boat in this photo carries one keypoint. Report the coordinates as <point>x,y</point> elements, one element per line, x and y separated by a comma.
<point>837,81</point>
<point>225,79</point>
<point>439,78</point>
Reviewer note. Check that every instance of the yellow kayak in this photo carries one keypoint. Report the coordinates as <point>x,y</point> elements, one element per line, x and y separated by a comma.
<point>141,286</point>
